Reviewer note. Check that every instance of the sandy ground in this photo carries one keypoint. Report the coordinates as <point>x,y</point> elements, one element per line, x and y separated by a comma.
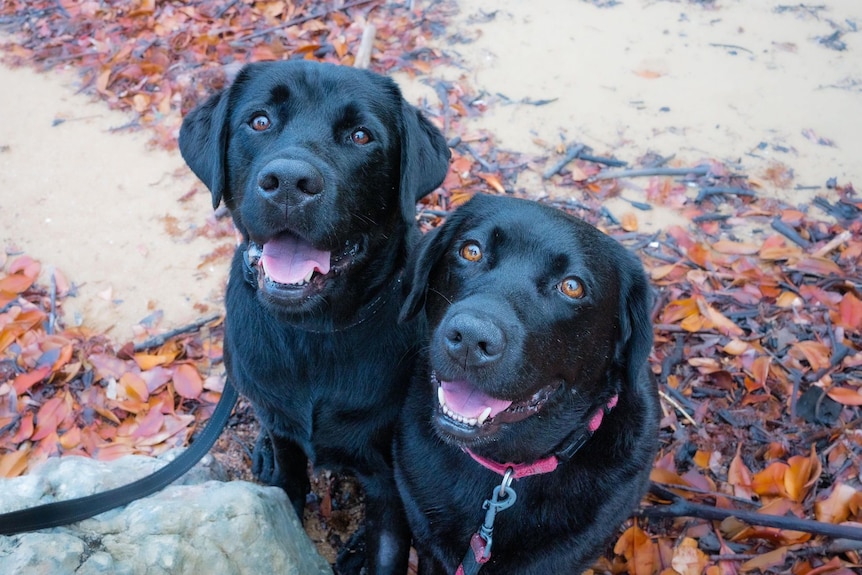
<point>749,83</point>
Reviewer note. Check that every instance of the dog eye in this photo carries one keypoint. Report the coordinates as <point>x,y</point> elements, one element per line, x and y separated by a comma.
<point>360,136</point>
<point>260,123</point>
<point>471,252</point>
<point>571,287</point>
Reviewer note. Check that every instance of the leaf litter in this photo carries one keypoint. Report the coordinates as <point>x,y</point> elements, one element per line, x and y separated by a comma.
<point>758,311</point>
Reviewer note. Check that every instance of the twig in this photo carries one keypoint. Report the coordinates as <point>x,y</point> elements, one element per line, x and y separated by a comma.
<point>832,244</point>
<point>609,175</point>
<point>487,167</point>
<point>678,407</point>
<point>572,152</point>
<point>300,20</point>
<point>442,92</point>
<point>52,316</point>
<point>680,507</point>
<point>788,232</point>
<point>710,218</point>
<point>730,47</point>
<point>366,46</point>
<point>715,190</point>
<point>225,8</point>
<point>606,161</point>
<point>158,340</point>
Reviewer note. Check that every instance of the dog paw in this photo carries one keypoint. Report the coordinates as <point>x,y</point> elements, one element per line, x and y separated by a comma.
<point>263,463</point>
<point>351,558</point>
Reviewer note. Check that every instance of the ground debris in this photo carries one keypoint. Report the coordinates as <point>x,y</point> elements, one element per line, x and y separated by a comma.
<point>758,310</point>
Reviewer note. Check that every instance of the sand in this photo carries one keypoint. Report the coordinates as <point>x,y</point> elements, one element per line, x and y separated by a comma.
<point>746,83</point>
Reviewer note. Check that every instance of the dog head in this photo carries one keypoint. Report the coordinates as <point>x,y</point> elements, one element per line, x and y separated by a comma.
<point>537,320</point>
<point>321,167</point>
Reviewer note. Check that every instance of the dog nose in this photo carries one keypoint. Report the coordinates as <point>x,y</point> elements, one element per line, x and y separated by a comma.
<point>473,340</point>
<point>282,178</point>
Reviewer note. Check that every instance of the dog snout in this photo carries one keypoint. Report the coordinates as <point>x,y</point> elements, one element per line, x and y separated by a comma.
<point>283,180</point>
<point>473,340</point>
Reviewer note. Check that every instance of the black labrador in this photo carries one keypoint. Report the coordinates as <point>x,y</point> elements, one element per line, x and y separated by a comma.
<point>535,385</point>
<point>321,167</point>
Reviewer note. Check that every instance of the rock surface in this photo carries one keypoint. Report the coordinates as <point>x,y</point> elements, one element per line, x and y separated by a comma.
<point>199,524</point>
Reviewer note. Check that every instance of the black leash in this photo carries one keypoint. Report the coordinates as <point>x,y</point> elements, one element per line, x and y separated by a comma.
<point>65,512</point>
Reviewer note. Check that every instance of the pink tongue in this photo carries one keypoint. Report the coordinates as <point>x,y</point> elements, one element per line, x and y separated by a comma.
<point>288,260</point>
<point>467,401</point>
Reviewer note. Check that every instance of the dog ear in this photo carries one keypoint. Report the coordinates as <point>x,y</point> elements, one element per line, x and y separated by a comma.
<point>203,143</point>
<point>424,159</point>
<point>419,266</point>
<point>636,330</point>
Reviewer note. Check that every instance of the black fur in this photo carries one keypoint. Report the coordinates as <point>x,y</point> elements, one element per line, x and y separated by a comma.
<point>502,324</point>
<point>339,161</point>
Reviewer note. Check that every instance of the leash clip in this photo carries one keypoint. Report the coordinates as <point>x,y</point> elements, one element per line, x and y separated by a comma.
<point>502,498</point>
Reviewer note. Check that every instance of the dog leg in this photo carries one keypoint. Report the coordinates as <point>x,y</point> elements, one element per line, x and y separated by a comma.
<point>381,546</point>
<point>280,462</point>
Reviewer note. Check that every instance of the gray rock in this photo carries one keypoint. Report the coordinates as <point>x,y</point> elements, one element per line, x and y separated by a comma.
<point>199,524</point>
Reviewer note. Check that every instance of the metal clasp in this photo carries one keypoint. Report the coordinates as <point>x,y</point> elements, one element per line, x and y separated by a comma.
<point>502,498</point>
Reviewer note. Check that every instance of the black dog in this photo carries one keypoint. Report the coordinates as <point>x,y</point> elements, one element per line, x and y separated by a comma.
<point>540,332</point>
<point>321,167</point>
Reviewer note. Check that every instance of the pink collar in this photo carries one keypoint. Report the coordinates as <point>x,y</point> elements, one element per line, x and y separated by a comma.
<point>548,464</point>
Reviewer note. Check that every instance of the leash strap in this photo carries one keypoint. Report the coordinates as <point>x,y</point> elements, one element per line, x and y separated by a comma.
<point>479,551</point>
<point>65,512</point>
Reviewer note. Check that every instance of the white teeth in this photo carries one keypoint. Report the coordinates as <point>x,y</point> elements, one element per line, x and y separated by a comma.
<point>471,421</point>
<point>308,277</point>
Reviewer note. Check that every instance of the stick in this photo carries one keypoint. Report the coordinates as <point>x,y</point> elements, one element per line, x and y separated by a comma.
<point>158,340</point>
<point>681,507</point>
<point>366,46</point>
<point>52,316</point>
<point>710,218</point>
<point>789,233</point>
<point>832,244</point>
<point>606,161</point>
<point>488,167</point>
<point>572,152</point>
<point>609,175</point>
<point>299,20</point>
<point>678,407</point>
<point>715,190</point>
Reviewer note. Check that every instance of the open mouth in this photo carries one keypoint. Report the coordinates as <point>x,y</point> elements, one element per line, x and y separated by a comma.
<point>289,263</point>
<point>462,405</point>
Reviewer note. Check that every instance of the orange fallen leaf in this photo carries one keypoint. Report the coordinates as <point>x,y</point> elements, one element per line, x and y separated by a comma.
<point>494,182</point>
<point>739,476</point>
<point>71,438</point>
<point>802,474</point>
<point>49,416</point>
<point>25,429</point>
<point>814,352</point>
<point>629,222</point>
<point>14,463</point>
<point>640,552</point>
<point>688,559</point>
<point>850,312</point>
<point>766,561</point>
<point>735,248</point>
<point>845,395</point>
<point>770,481</point>
<point>148,361</point>
<point>836,507</point>
<point>187,381</point>
<point>25,381</point>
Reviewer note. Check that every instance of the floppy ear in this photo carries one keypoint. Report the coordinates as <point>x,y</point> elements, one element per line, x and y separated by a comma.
<point>424,159</point>
<point>203,143</point>
<point>419,266</point>
<point>636,333</point>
